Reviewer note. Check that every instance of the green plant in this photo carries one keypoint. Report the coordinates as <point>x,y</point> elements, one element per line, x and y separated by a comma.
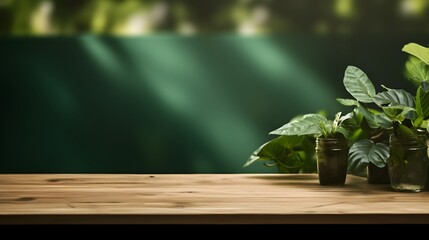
<point>417,70</point>
<point>366,127</point>
<point>405,114</point>
<point>294,150</point>
<point>317,125</point>
<point>410,114</point>
<point>290,154</point>
<point>372,125</point>
<point>417,66</point>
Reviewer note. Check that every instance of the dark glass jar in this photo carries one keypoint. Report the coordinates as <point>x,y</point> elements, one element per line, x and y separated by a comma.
<point>332,158</point>
<point>408,163</point>
<point>378,175</point>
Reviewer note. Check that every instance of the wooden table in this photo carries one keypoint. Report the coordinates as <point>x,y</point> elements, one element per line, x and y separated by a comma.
<point>201,198</point>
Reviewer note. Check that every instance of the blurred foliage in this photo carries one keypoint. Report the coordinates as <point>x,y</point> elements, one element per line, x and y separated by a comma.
<point>134,17</point>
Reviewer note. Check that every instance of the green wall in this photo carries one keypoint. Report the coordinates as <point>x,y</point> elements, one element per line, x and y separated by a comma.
<point>168,103</point>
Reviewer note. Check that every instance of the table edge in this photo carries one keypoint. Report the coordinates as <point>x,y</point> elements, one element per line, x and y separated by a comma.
<point>372,218</point>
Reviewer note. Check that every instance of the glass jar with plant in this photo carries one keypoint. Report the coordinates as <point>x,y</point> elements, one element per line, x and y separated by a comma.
<point>417,71</point>
<point>407,162</point>
<point>407,157</point>
<point>399,107</point>
<point>331,143</point>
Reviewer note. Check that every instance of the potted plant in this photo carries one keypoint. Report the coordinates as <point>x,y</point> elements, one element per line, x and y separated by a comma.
<point>369,150</point>
<point>403,117</point>
<point>407,156</point>
<point>417,71</point>
<point>331,143</point>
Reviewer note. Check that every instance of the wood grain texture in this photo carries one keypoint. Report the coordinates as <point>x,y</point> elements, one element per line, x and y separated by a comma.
<point>201,198</point>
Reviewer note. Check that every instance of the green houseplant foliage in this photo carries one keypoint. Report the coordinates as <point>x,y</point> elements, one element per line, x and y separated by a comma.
<point>417,70</point>
<point>409,116</point>
<point>369,149</point>
<point>290,154</point>
<point>331,143</point>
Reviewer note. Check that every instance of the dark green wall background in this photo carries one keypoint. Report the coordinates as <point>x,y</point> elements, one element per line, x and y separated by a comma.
<point>168,103</point>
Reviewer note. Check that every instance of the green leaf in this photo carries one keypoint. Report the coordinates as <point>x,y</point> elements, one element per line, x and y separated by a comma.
<point>307,125</point>
<point>370,119</point>
<point>348,102</point>
<point>289,141</point>
<point>417,70</point>
<point>424,124</point>
<point>336,122</point>
<point>326,128</point>
<point>365,151</point>
<point>348,116</point>
<point>358,85</point>
<point>382,120</point>
<point>418,122</point>
<point>346,133</point>
<point>394,97</point>
<point>399,113</point>
<point>348,121</point>
<point>422,103</point>
<point>292,161</point>
<point>276,149</point>
<point>425,85</point>
<point>417,51</point>
<point>404,132</point>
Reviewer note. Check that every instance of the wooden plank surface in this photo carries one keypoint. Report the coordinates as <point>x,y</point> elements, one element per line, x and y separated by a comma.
<point>202,198</point>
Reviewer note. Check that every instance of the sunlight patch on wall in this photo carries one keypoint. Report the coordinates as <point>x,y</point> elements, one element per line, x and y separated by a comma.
<point>191,89</point>
<point>103,57</point>
<point>279,67</point>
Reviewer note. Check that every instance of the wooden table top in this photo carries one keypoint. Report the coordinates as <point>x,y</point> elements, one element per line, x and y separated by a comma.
<point>201,198</point>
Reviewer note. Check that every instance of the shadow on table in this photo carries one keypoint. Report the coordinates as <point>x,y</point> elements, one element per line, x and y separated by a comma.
<point>288,177</point>
<point>311,180</point>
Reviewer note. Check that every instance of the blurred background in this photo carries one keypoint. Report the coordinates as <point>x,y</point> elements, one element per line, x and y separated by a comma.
<point>182,86</point>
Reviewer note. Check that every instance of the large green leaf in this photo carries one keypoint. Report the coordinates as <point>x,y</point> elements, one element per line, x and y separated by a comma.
<point>365,151</point>
<point>348,102</point>
<point>358,84</point>
<point>422,103</point>
<point>307,125</point>
<point>276,150</point>
<point>417,70</point>
<point>394,97</point>
<point>417,51</point>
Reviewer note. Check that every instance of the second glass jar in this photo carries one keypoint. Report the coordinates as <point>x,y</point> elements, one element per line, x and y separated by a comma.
<point>408,163</point>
